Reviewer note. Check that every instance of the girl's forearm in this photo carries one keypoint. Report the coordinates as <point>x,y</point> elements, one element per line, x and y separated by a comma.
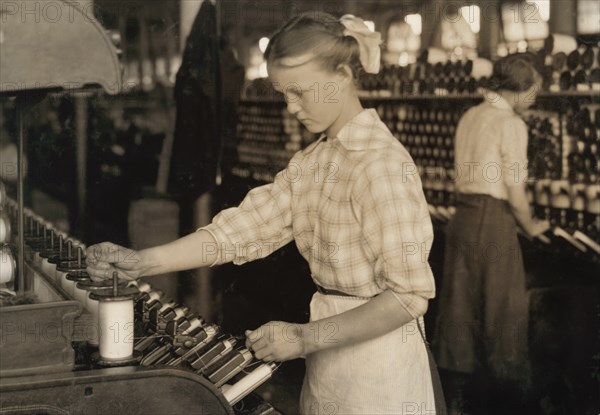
<point>196,250</point>
<point>375,318</point>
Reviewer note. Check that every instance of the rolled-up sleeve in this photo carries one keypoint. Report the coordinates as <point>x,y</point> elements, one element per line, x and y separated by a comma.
<point>389,202</point>
<point>513,151</point>
<point>261,224</point>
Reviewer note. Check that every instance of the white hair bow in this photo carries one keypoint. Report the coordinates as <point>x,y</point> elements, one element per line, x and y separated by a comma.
<point>368,42</point>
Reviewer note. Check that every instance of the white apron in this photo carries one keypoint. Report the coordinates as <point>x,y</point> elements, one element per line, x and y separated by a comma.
<point>386,375</point>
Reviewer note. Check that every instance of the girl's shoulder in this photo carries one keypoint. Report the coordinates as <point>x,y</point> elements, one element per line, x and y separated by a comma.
<point>390,156</point>
<point>366,133</point>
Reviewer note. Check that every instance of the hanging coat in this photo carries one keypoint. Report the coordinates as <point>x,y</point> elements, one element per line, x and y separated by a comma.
<point>207,90</point>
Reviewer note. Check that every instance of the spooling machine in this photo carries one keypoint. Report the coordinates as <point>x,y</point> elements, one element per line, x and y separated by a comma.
<point>81,346</point>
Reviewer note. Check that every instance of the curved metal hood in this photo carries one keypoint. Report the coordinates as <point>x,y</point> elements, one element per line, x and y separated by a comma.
<point>54,45</point>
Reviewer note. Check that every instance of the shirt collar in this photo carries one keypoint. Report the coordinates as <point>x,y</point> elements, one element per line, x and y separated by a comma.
<point>364,132</point>
<point>499,102</point>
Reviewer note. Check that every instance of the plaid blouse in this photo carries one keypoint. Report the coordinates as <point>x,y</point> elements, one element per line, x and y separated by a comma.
<point>354,206</point>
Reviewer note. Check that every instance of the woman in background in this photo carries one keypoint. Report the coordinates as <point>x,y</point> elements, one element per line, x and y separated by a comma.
<point>481,332</point>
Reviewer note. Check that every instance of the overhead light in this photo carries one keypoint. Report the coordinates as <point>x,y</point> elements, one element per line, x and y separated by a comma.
<point>543,8</point>
<point>471,14</point>
<point>415,23</point>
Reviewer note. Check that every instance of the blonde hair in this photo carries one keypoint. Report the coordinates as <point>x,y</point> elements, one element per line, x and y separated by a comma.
<point>317,33</point>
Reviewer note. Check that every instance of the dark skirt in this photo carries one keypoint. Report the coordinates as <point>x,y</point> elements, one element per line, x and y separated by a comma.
<point>482,323</point>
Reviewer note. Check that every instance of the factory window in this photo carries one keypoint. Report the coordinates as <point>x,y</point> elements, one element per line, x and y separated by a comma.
<point>403,39</point>
<point>525,25</point>
<point>257,67</point>
<point>472,15</point>
<point>459,31</point>
<point>588,17</point>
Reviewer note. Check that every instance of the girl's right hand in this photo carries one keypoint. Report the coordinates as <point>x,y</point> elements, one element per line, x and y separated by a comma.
<point>105,258</point>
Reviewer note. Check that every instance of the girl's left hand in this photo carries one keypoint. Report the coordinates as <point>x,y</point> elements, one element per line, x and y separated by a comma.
<point>276,341</point>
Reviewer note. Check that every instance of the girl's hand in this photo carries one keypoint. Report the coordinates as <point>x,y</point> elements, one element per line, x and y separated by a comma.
<point>105,258</point>
<point>276,341</point>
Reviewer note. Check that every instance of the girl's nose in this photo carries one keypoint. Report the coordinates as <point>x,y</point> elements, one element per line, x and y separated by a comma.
<point>293,107</point>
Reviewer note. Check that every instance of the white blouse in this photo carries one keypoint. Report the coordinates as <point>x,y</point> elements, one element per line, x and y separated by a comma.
<point>490,149</point>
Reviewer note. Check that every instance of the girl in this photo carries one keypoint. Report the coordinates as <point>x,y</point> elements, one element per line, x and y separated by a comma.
<point>482,323</point>
<point>362,224</point>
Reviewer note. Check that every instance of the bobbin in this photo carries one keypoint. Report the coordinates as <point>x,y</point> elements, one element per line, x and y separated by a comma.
<point>51,257</point>
<point>39,246</point>
<point>143,286</point>
<point>64,268</point>
<point>116,344</point>
<point>148,301</point>
<point>47,250</point>
<point>75,277</point>
<point>8,265</point>
<point>62,260</point>
<point>2,195</point>
<point>5,231</point>
<point>92,305</point>
<point>228,366</point>
<point>234,393</point>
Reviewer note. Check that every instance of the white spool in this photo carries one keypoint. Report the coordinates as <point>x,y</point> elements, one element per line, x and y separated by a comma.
<point>69,287</point>
<point>2,196</point>
<point>194,324</point>
<point>48,268</point>
<point>4,227</point>
<point>180,312</point>
<point>66,285</point>
<point>243,387</point>
<point>563,43</point>
<point>7,265</point>
<point>154,296</point>
<point>166,305</point>
<point>58,276</point>
<point>93,335</point>
<point>143,286</point>
<point>80,295</point>
<point>116,329</point>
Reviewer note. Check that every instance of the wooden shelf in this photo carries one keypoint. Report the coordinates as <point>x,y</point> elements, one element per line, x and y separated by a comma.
<point>576,94</point>
<point>478,96</point>
<point>421,97</point>
<point>437,97</point>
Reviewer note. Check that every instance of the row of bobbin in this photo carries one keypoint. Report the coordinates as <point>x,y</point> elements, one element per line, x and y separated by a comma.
<point>173,336</point>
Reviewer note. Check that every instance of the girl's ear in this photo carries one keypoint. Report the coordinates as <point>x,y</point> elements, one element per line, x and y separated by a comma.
<point>345,76</point>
